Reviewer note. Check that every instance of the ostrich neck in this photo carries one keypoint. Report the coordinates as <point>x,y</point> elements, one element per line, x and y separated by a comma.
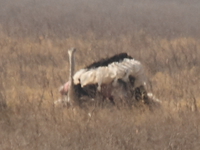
<point>72,97</point>
<point>71,94</point>
<point>71,70</point>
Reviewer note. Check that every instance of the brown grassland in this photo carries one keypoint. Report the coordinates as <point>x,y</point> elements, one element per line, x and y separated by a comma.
<point>34,38</point>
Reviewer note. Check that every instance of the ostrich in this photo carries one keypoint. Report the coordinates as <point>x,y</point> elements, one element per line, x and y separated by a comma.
<point>104,76</point>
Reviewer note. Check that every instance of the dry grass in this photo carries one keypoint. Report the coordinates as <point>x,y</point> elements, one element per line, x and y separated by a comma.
<point>33,66</point>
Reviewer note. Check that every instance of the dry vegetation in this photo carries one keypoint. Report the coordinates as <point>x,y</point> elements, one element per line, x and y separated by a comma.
<point>34,38</point>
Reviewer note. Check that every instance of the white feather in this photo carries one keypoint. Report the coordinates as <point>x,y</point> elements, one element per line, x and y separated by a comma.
<point>88,78</point>
<point>77,76</point>
<point>111,73</point>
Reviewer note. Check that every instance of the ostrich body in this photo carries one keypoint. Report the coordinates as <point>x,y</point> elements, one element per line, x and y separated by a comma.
<point>103,76</point>
<point>113,72</point>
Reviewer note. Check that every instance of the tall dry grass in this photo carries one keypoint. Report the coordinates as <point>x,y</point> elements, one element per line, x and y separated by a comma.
<point>32,71</point>
<point>34,63</point>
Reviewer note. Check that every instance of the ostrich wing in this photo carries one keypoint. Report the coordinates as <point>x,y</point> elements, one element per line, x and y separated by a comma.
<point>77,75</point>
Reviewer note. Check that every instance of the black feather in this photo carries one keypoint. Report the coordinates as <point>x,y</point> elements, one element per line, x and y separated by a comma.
<point>106,61</point>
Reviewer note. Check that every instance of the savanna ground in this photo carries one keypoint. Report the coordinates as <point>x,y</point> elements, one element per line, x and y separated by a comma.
<point>34,38</point>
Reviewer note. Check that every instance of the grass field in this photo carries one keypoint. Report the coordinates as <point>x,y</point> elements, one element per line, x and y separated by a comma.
<point>34,39</point>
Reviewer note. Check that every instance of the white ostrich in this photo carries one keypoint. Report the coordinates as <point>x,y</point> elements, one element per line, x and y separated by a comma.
<point>105,74</point>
